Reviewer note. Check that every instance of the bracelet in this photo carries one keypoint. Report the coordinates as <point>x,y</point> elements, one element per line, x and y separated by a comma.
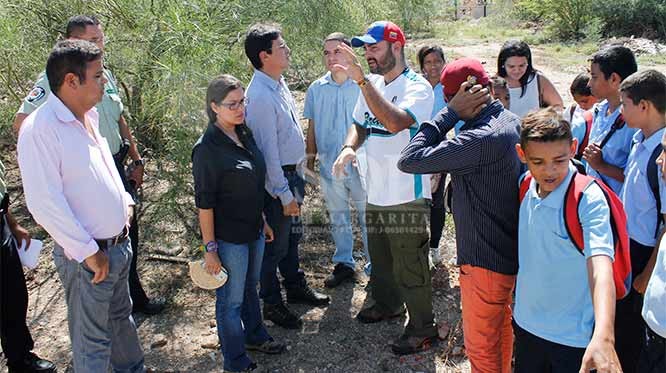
<point>346,146</point>
<point>362,82</point>
<point>139,162</point>
<point>211,247</point>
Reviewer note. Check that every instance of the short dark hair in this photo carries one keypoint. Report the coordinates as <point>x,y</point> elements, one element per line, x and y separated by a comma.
<point>615,59</point>
<point>545,125</point>
<point>338,36</point>
<point>426,50</point>
<point>79,23</point>
<point>217,91</point>
<point>579,85</point>
<point>259,39</point>
<point>648,85</point>
<point>516,48</point>
<point>70,56</point>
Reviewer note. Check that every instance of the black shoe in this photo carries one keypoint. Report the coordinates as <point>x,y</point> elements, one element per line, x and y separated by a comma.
<point>373,315</point>
<point>282,316</point>
<point>150,308</point>
<point>34,364</point>
<point>405,345</point>
<point>340,274</point>
<point>305,295</point>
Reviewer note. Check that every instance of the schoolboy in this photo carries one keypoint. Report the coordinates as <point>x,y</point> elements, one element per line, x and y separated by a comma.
<point>610,140</point>
<point>565,304</point>
<point>583,98</point>
<point>643,97</point>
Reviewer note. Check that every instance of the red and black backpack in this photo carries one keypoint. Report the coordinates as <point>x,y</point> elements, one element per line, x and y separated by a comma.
<point>572,198</point>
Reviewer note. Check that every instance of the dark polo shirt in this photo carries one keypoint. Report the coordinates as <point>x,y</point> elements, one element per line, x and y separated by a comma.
<point>230,180</point>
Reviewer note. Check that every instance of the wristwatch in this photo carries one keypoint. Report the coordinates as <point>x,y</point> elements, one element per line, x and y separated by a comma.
<point>346,146</point>
<point>362,82</point>
<point>211,247</point>
<point>139,162</point>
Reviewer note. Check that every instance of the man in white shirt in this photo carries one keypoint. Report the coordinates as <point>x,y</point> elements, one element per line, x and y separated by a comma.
<point>73,190</point>
<point>388,112</point>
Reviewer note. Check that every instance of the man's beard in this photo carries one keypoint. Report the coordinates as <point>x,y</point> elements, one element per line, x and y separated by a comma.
<point>386,64</point>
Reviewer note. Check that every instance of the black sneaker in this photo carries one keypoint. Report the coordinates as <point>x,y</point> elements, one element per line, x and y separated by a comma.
<point>305,295</point>
<point>33,363</point>
<point>340,274</point>
<point>405,345</point>
<point>282,316</point>
<point>150,308</point>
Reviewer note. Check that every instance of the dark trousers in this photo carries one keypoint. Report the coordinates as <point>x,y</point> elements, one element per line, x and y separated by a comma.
<point>653,356</point>
<point>437,213</point>
<point>629,323</point>
<point>535,354</point>
<point>14,334</point>
<point>138,295</point>
<point>282,253</point>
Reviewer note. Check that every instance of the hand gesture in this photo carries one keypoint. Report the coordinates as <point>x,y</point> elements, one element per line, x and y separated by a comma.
<point>99,264</point>
<point>469,100</point>
<point>350,64</point>
<point>594,156</point>
<point>346,156</point>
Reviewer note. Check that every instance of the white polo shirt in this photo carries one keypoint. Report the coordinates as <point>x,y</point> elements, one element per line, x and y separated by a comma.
<point>386,184</point>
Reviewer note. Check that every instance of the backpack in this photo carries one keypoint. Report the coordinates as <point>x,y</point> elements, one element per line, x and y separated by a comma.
<point>589,119</point>
<point>618,220</point>
<point>653,181</point>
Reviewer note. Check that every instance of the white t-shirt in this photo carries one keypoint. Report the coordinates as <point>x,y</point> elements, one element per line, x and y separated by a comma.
<point>654,301</point>
<point>386,184</point>
<point>577,113</point>
<point>528,102</point>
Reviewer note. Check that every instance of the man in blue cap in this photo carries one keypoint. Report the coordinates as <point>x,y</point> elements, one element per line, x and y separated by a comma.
<point>388,112</point>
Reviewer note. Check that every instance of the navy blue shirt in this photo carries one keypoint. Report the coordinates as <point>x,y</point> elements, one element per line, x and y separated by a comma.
<point>484,169</point>
<point>230,180</point>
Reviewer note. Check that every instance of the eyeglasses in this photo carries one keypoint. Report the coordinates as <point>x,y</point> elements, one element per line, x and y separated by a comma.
<point>234,105</point>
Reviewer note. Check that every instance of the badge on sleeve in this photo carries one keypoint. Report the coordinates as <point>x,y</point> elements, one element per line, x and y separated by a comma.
<point>36,94</point>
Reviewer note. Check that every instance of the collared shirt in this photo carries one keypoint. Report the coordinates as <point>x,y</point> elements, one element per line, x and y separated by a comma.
<point>637,197</point>
<point>330,105</point>
<point>271,114</point>
<point>386,184</point>
<point>109,109</point>
<point>616,151</point>
<point>72,187</point>
<point>484,171</point>
<point>553,298</point>
<point>230,180</point>
<point>654,301</point>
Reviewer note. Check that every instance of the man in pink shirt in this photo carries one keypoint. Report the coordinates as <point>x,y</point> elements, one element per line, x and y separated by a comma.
<point>73,190</point>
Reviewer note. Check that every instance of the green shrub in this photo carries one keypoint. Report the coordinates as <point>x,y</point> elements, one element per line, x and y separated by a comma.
<point>565,19</point>
<point>646,18</point>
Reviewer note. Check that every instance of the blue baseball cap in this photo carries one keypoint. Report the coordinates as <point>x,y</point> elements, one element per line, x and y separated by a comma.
<point>378,31</point>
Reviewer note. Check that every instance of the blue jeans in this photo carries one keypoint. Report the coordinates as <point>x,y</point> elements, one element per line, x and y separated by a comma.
<point>101,326</point>
<point>283,251</point>
<point>237,305</point>
<point>337,193</point>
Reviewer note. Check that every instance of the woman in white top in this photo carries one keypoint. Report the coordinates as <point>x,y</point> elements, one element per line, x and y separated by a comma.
<point>529,89</point>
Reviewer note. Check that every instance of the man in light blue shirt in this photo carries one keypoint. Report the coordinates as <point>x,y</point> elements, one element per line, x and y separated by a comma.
<point>329,105</point>
<point>271,114</point>
<point>608,149</point>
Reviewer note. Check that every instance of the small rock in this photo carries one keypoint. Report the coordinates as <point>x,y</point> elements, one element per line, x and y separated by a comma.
<point>288,347</point>
<point>210,342</point>
<point>457,351</point>
<point>212,324</point>
<point>159,340</point>
<point>212,357</point>
<point>443,329</point>
<point>269,323</point>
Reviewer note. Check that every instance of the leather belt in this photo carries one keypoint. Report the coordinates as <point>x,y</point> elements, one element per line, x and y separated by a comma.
<point>289,168</point>
<point>113,241</point>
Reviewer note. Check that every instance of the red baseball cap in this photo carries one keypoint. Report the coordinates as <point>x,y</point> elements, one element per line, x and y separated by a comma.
<point>462,70</point>
<point>378,31</point>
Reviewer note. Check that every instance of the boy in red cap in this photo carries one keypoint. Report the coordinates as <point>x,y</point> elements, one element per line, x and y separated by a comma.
<point>484,172</point>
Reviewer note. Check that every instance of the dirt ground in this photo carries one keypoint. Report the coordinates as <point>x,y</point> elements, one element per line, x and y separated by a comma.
<point>184,338</point>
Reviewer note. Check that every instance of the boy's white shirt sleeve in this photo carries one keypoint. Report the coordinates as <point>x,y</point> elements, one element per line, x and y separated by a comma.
<point>594,214</point>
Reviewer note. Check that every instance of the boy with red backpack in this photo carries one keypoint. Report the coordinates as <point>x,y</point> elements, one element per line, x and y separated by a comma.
<point>571,228</point>
<point>644,108</point>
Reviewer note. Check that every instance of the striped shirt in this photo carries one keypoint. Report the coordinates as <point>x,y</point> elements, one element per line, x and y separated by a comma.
<point>484,171</point>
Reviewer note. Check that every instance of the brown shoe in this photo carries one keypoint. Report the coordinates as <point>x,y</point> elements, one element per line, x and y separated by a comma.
<point>372,315</point>
<point>406,345</point>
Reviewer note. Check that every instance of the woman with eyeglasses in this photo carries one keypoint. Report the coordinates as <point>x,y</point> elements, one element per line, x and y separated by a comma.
<point>229,173</point>
<point>529,89</point>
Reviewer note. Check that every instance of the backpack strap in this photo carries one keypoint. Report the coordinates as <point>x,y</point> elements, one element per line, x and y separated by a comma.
<point>653,181</point>
<point>618,124</point>
<point>589,119</point>
<point>572,110</point>
<point>572,199</point>
<point>542,104</point>
<point>525,181</point>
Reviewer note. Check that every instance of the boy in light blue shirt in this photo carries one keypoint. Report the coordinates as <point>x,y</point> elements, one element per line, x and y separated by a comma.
<point>608,149</point>
<point>565,301</point>
<point>329,105</point>
<point>644,107</point>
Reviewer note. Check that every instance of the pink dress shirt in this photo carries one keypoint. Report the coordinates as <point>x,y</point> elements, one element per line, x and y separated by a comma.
<point>71,184</point>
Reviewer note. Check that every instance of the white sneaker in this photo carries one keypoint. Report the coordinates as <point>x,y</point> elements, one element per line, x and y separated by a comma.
<point>434,256</point>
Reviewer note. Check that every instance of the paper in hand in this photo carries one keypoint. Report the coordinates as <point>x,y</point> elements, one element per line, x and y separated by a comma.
<point>30,258</point>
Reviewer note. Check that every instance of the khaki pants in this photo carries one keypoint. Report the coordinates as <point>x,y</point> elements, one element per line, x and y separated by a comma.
<point>398,246</point>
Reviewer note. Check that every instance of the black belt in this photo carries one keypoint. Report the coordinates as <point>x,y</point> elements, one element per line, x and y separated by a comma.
<point>289,168</point>
<point>113,241</point>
